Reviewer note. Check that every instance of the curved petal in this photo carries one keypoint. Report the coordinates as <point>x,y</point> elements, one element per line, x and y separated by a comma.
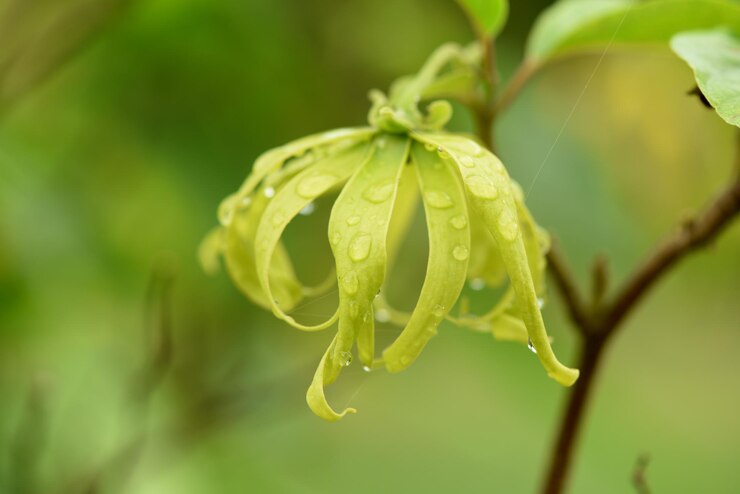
<point>358,228</point>
<point>296,194</point>
<point>490,193</point>
<point>239,256</point>
<point>315,396</point>
<point>270,161</point>
<point>449,251</point>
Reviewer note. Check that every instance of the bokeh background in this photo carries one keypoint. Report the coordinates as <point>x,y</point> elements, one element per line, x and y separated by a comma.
<point>123,368</point>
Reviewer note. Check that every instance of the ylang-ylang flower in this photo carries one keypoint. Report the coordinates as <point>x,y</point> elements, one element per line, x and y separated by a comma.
<point>478,229</point>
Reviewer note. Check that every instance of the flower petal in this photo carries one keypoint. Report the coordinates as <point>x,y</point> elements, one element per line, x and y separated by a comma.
<point>358,229</point>
<point>449,251</point>
<point>315,396</point>
<point>271,161</point>
<point>296,194</point>
<point>491,196</point>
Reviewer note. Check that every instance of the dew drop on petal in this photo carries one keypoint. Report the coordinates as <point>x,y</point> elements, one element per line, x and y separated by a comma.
<point>458,222</point>
<point>245,202</point>
<point>466,161</point>
<point>531,347</point>
<point>382,315</point>
<point>269,192</point>
<point>379,192</point>
<point>406,359</point>
<point>336,237</point>
<point>477,284</point>
<point>437,199</point>
<point>442,152</point>
<point>481,187</point>
<point>354,310</point>
<point>508,226</point>
<point>308,209</point>
<point>429,146</point>
<point>460,252</point>
<point>278,218</point>
<point>345,358</point>
<point>353,220</point>
<point>367,368</point>
<point>310,187</point>
<point>359,247</point>
<point>381,142</point>
<point>351,283</point>
<point>438,310</point>
<point>540,302</point>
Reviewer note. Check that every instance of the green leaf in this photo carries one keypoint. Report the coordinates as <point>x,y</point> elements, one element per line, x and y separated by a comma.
<point>714,56</point>
<point>487,16</point>
<point>578,25</point>
<point>493,198</point>
<point>449,251</point>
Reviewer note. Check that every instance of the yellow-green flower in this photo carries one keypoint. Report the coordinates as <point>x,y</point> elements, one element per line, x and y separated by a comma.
<point>478,228</point>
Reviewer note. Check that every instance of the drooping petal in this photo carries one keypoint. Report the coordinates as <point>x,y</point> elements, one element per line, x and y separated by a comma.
<point>315,396</point>
<point>449,251</point>
<point>358,228</point>
<point>239,256</point>
<point>491,196</point>
<point>295,195</point>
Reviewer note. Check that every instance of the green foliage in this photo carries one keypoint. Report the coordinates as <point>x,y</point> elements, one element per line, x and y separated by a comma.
<point>488,17</point>
<point>570,26</point>
<point>714,56</point>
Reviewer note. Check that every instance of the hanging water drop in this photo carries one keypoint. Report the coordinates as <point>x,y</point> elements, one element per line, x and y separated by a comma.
<point>336,237</point>
<point>353,220</point>
<point>367,368</point>
<point>382,315</point>
<point>269,192</point>
<point>477,284</point>
<point>507,225</point>
<point>531,347</point>
<point>345,359</point>
<point>540,302</point>
<point>438,310</point>
<point>308,209</point>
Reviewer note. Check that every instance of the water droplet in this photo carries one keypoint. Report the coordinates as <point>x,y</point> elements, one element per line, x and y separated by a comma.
<point>310,187</point>
<point>540,302</point>
<point>379,192</point>
<point>438,310</point>
<point>459,222</point>
<point>430,331</point>
<point>367,368</point>
<point>466,161</point>
<point>531,347</point>
<point>278,218</point>
<point>336,237</point>
<point>460,252</point>
<point>442,152</point>
<point>471,147</point>
<point>429,146</point>
<point>406,359</point>
<point>353,220</point>
<point>308,209</point>
<point>437,199</point>
<point>382,315</point>
<point>269,192</point>
<point>381,142</point>
<point>508,226</point>
<point>477,284</point>
<point>245,202</point>
<point>359,247</point>
<point>482,187</point>
<point>345,358</point>
<point>351,283</point>
<point>226,209</point>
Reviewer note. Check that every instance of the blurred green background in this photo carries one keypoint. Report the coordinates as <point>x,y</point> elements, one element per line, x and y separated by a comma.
<point>122,125</point>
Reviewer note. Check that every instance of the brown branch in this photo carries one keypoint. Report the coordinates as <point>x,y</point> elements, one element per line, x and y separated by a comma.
<point>692,235</point>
